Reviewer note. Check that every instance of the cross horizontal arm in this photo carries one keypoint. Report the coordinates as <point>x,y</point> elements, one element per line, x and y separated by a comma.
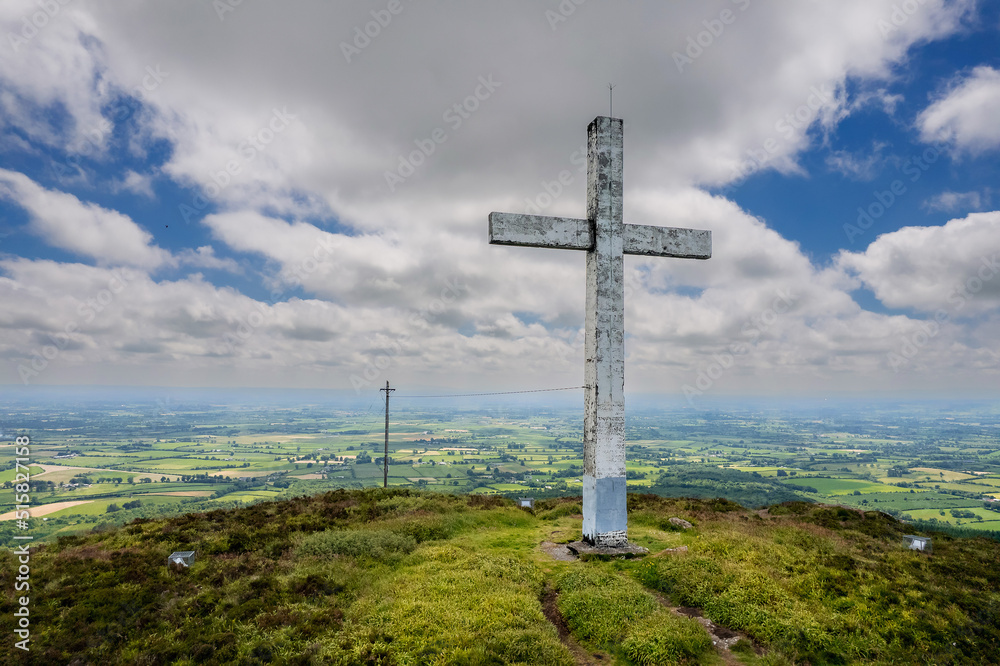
<point>537,231</point>
<point>667,241</point>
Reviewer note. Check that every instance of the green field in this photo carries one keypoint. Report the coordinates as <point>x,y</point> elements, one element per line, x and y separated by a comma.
<point>99,507</point>
<point>248,496</point>
<point>10,474</point>
<point>991,519</point>
<point>836,487</point>
<point>524,451</point>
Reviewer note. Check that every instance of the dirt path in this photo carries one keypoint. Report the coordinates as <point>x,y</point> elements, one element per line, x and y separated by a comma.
<point>557,551</point>
<point>580,655</point>
<point>722,638</point>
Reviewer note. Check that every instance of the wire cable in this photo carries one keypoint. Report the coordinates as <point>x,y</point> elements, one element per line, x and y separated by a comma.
<point>467,395</point>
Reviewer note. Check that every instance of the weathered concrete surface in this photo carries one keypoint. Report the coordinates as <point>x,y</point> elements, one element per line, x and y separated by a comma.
<point>605,520</point>
<point>605,238</point>
<point>604,502</point>
<point>627,549</point>
<point>535,231</point>
<point>668,242</point>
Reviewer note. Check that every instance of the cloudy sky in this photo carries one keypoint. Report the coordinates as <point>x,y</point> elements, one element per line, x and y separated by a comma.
<point>295,194</point>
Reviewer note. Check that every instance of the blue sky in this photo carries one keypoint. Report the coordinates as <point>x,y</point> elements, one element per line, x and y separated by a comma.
<point>829,198</point>
<point>253,194</point>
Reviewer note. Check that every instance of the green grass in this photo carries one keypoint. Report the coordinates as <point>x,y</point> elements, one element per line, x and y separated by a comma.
<point>842,486</point>
<point>446,605</point>
<point>100,506</point>
<point>404,577</point>
<point>938,474</point>
<point>248,496</point>
<point>907,501</point>
<point>991,519</point>
<point>11,474</point>
<point>828,585</point>
<point>614,613</point>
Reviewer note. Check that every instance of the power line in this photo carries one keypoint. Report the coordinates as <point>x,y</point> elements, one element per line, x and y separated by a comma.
<point>371,425</point>
<point>467,395</point>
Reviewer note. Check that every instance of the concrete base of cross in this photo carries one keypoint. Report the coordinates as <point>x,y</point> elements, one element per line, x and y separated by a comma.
<point>581,548</point>
<point>615,539</point>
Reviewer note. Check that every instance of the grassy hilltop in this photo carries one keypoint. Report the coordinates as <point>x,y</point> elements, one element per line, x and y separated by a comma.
<point>407,577</point>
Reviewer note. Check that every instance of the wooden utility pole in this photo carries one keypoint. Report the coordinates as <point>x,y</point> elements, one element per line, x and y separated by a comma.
<point>385,458</point>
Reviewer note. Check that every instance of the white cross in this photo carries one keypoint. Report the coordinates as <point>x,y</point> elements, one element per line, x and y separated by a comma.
<point>606,239</point>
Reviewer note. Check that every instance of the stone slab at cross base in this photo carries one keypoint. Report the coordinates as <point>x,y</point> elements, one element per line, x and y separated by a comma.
<point>626,549</point>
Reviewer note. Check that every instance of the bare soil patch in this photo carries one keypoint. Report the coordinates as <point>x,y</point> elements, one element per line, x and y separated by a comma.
<point>557,551</point>
<point>723,638</point>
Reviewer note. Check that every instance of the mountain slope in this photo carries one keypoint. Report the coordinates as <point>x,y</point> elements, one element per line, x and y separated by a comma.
<point>399,577</point>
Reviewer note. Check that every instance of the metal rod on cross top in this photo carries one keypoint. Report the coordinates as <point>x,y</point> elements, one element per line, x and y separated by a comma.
<point>385,455</point>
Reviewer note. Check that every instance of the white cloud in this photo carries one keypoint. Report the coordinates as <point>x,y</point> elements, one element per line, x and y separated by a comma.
<point>413,280</point>
<point>52,70</point>
<point>348,134</point>
<point>952,202</point>
<point>86,229</point>
<point>966,114</point>
<point>205,257</point>
<point>864,167</point>
<point>951,267</point>
<point>136,183</point>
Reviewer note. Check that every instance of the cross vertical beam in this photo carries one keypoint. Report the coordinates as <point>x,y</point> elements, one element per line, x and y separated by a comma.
<point>605,238</point>
<point>604,500</point>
